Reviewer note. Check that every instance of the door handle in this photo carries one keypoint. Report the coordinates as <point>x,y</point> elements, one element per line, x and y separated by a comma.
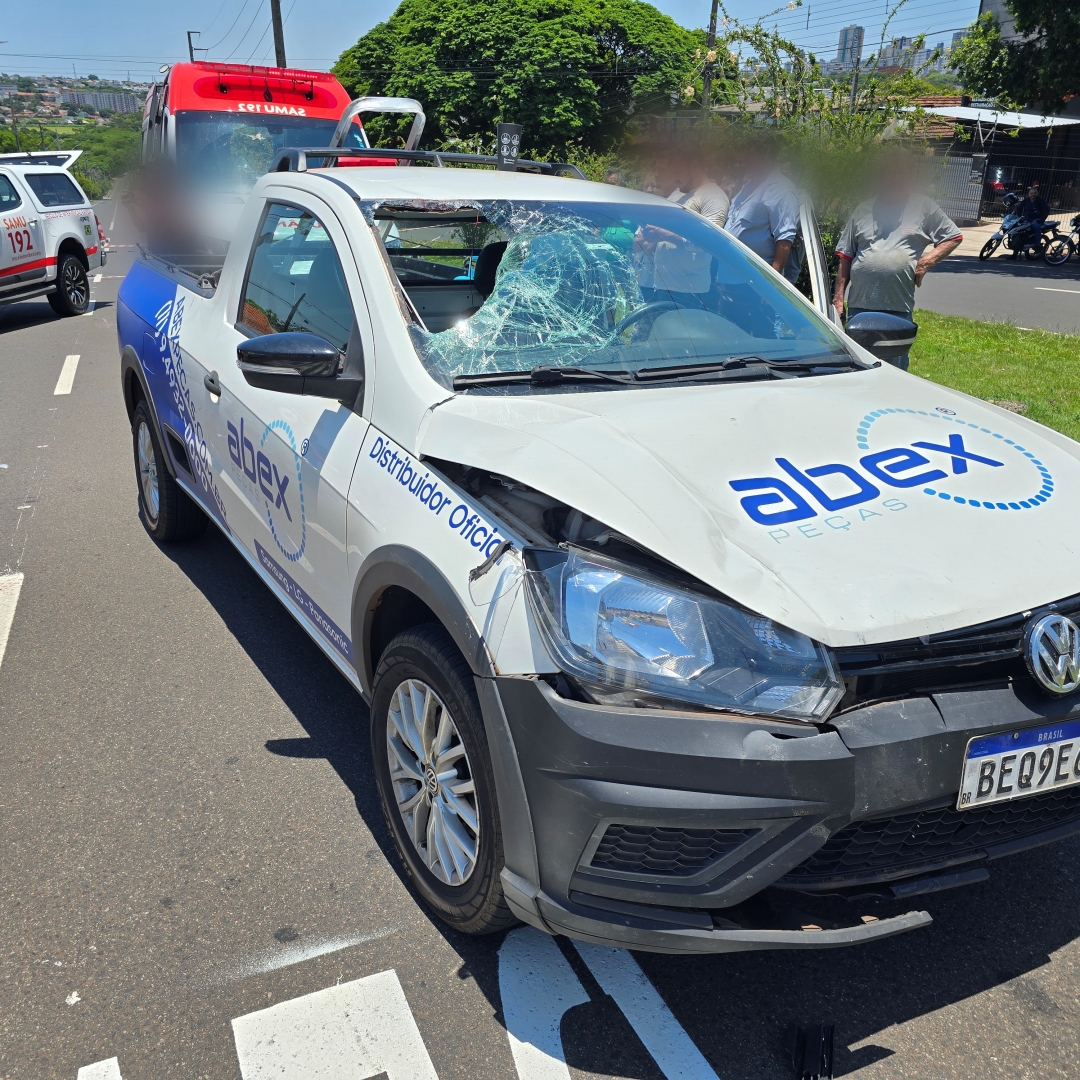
<point>211,383</point>
<point>32,221</point>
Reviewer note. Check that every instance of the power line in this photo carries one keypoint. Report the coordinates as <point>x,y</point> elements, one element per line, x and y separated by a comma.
<point>234,22</point>
<point>238,45</point>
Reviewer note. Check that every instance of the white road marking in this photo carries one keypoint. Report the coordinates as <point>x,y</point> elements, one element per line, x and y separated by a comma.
<point>1046,288</point>
<point>537,986</point>
<point>67,375</point>
<point>109,1069</point>
<point>73,998</point>
<point>349,1032</point>
<point>10,587</point>
<point>672,1049</point>
<point>89,310</point>
<point>97,278</point>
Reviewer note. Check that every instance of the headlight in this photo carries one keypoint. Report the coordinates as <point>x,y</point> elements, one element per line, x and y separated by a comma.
<point>628,635</point>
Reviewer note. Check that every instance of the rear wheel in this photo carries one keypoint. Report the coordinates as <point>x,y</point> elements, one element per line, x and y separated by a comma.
<point>1058,251</point>
<point>435,780</point>
<point>72,295</point>
<point>989,248</point>
<point>168,512</point>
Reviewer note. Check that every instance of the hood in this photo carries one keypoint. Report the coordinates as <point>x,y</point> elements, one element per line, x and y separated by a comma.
<point>857,508</point>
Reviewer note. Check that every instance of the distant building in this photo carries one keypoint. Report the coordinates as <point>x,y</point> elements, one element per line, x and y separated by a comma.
<point>88,99</point>
<point>8,91</point>
<point>897,54</point>
<point>1004,18</point>
<point>960,35</point>
<point>849,48</point>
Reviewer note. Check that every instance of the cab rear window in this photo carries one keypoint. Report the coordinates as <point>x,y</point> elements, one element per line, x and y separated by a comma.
<point>54,189</point>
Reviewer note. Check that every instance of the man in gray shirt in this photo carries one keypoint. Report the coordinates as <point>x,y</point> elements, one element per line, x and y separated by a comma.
<point>883,249</point>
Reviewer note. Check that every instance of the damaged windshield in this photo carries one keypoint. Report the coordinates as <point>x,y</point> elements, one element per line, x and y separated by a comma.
<point>511,287</point>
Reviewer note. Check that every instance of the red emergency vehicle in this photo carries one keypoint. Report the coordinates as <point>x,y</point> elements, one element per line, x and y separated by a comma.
<point>225,123</point>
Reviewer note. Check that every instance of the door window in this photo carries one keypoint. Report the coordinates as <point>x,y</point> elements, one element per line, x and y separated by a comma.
<point>9,197</point>
<point>295,281</point>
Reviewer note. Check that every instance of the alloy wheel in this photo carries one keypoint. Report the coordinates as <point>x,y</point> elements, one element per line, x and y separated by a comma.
<point>74,284</point>
<point>148,477</point>
<point>432,782</point>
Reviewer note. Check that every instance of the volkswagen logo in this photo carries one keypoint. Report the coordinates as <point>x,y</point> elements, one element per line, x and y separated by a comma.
<point>1052,652</point>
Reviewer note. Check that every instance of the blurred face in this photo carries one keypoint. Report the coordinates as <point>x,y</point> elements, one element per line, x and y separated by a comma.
<point>649,185</point>
<point>1032,192</point>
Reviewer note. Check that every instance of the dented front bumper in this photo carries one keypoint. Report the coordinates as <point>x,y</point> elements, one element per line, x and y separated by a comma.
<point>660,830</point>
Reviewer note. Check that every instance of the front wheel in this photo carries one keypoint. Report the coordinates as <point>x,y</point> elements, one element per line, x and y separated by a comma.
<point>1058,251</point>
<point>72,295</point>
<point>167,511</point>
<point>989,248</point>
<point>435,780</point>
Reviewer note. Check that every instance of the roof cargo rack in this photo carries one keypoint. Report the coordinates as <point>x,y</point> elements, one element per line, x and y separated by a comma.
<point>294,159</point>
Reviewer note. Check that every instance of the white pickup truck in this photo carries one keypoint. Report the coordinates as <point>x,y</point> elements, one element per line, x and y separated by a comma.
<point>50,237</point>
<point>682,623</point>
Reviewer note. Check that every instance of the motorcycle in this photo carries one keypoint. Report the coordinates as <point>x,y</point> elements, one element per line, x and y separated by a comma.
<point>1061,247</point>
<point>1028,238</point>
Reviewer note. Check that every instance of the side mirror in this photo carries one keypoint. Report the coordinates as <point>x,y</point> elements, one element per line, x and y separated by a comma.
<point>886,336</point>
<point>293,363</point>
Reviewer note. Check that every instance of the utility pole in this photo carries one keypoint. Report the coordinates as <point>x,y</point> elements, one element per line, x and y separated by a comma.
<point>190,47</point>
<point>706,81</point>
<point>279,34</point>
<point>854,86</point>
<point>15,129</point>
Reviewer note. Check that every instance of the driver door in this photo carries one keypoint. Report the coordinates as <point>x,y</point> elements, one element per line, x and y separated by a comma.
<point>284,460</point>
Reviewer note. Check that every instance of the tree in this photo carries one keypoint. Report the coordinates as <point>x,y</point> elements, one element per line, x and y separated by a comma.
<point>1041,67</point>
<point>571,72</point>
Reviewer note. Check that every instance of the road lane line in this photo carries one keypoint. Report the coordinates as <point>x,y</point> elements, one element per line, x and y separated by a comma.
<point>89,310</point>
<point>349,1032</point>
<point>97,278</point>
<point>10,587</point>
<point>1046,288</point>
<point>672,1049</point>
<point>67,375</point>
<point>537,986</point>
<point>109,1069</point>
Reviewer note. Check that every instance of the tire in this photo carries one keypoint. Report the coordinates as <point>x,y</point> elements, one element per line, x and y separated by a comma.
<point>167,511</point>
<point>72,295</point>
<point>989,248</point>
<point>1058,251</point>
<point>423,672</point>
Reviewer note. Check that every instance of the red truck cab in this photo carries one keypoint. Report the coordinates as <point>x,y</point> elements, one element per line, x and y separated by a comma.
<point>224,124</point>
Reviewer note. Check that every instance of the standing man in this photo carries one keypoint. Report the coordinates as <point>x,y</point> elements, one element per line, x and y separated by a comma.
<point>883,248</point>
<point>703,195</point>
<point>764,214</point>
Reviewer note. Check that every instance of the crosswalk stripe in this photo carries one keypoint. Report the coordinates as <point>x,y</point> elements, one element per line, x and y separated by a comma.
<point>109,1069</point>
<point>10,587</point>
<point>537,986</point>
<point>354,1031</point>
<point>67,375</point>
<point>619,975</point>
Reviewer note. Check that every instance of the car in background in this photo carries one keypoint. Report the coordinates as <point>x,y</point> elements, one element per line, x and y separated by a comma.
<point>50,237</point>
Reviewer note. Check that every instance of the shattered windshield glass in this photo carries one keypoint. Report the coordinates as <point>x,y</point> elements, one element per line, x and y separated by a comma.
<point>504,286</point>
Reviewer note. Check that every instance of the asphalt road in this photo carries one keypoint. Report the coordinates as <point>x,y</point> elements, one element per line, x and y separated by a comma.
<point>191,837</point>
<point>1028,294</point>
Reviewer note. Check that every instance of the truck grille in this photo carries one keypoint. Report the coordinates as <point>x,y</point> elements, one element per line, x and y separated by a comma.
<point>648,849</point>
<point>990,652</point>
<point>888,848</point>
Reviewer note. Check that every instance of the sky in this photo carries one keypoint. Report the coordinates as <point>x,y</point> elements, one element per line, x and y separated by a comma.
<point>112,38</point>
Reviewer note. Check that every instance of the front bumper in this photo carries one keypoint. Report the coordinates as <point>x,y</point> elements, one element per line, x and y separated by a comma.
<point>659,830</point>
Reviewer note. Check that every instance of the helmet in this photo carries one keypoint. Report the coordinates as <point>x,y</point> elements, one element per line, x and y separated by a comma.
<point>1011,199</point>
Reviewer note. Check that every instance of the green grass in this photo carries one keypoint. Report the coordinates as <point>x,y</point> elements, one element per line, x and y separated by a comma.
<point>998,362</point>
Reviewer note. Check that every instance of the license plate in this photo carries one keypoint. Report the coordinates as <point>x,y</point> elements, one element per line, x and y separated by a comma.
<point>1014,764</point>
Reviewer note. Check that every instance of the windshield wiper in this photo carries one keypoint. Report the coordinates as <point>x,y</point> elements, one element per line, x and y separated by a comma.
<point>541,376</point>
<point>744,367</point>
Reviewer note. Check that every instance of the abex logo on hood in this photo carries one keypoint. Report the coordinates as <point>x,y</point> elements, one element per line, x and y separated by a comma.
<point>966,468</point>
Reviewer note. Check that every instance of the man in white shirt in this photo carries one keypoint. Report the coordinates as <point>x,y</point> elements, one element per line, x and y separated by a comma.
<point>704,195</point>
